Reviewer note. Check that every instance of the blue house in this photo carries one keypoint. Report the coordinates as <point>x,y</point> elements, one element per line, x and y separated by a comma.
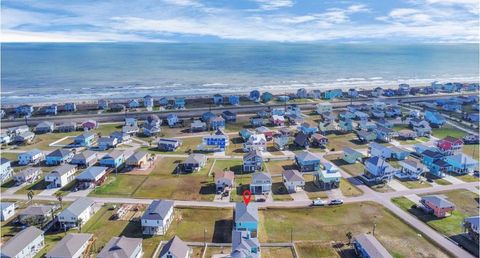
<point>217,123</point>
<point>332,94</point>
<point>384,134</point>
<point>461,164</point>
<point>254,95</point>
<point>266,97</point>
<point>434,118</point>
<point>306,161</point>
<point>217,99</point>
<point>207,116</point>
<point>148,101</point>
<point>346,115</point>
<point>302,93</point>
<point>163,101</point>
<point>393,111</point>
<point>114,159</point>
<point>245,134</point>
<point>403,89</point>
<point>179,103</point>
<point>352,93</point>
<point>345,125</point>
<point>452,107</point>
<point>24,110</point>
<point>473,117</point>
<point>52,110</point>
<point>307,129</point>
<point>172,120</point>
<point>133,103</point>
<point>278,111</point>
<point>256,121</point>
<point>58,157</point>
<point>378,113</point>
<point>229,116</point>
<point>234,100</point>
<point>217,141</point>
<point>103,104</point>
<point>361,115</point>
<point>246,217</point>
<point>283,98</point>
<point>435,163</point>
<point>70,107</point>
<point>388,93</point>
<point>399,153</point>
<point>85,139</point>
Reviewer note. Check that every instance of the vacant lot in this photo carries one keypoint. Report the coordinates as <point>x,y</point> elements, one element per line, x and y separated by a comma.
<point>328,224</point>
<point>355,169</point>
<point>189,145</point>
<point>415,184</point>
<point>447,130</point>
<point>278,166</point>
<point>472,150</point>
<point>235,165</point>
<point>337,142</point>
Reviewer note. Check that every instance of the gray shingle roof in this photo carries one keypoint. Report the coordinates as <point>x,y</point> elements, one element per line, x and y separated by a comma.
<point>114,154</point>
<point>91,173</point>
<point>78,206</point>
<point>293,175</point>
<point>158,210</point>
<point>20,241</point>
<point>84,155</point>
<point>245,213</point>
<point>120,247</point>
<point>306,156</point>
<point>261,176</point>
<point>4,160</point>
<point>137,156</point>
<point>63,169</point>
<point>37,210</point>
<point>371,245</point>
<point>59,153</point>
<point>176,247</point>
<point>438,201</point>
<point>252,154</point>
<point>195,159</point>
<point>69,245</point>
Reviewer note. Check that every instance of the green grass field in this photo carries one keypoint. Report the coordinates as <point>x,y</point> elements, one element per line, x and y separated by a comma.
<point>447,130</point>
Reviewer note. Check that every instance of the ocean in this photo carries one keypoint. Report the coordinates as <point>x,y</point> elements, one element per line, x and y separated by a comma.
<point>51,72</point>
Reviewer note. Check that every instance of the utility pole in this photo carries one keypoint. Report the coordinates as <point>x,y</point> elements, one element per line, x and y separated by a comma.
<point>205,237</point>
<point>374,226</point>
<point>291,235</point>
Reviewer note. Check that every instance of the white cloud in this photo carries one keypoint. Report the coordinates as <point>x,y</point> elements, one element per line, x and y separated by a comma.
<point>274,4</point>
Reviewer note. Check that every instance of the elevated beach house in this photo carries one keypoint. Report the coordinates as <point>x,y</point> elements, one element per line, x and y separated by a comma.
<point>410,169</point>
<point>328,177</point>
<point>261,183</point>
<point>224,180</point>
<point>351,156</point>
<point>85,158</point>
<point>44,127</point>
<point>367,246</point>
<point>61,176</point>
<point>194,162</point>
<point>175,248</point>
<point>246,217</point>
<point>437,205</point>
<point>169,144</point>
<point>157,218</point>
<point>91,177</point>
<point>58,157</point>
<point>307,161</point>
<point>27,175</point>
<point>73,245</point>
<point>252,161</point>
<point>114,159</point>
<point>124,247</point>
<point>7,210</point>
<point>255,142</point>
<point>77,214</point>
<point>435,119</point>
<point>26,243</point>
<point>6,171</point>
<point>378,170</point>
<point>293,180</point>
<point>85,139</point>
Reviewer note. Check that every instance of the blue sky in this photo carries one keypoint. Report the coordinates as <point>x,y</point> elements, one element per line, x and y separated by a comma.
<point>450,21</point>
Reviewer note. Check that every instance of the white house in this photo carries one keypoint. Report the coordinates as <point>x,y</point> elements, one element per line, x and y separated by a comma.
<point>261,183</point>
<point>6,170</point>
<point>34,156</point>
<point>175,248</point>
<point>255,142</point>
<point>26,244</point>
<point>324,107</point>
<point>80,210</point>
<point>157,218</point>
<point>72,245</point>
<point>28,175</point>
<point>122,247</point>
<point>61,175</point>
<point>410,169</point>
<point>224,179</point>
<point>293,180</point>
<point>8,210</point>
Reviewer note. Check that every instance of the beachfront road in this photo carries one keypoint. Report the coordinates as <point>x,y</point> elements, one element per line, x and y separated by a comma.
<point>196,112</point>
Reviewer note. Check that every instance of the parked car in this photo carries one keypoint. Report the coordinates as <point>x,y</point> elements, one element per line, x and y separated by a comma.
<point>261,200</point>
<point>336,202</point>
<point>318,202</point>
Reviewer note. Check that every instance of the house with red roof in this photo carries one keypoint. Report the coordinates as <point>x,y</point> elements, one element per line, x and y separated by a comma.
<point>450,145</point>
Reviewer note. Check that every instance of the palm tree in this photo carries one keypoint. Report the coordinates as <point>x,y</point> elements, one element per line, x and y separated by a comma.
<point>30,195</point>
<point>59,196</point>
<point>79,223</point>
<point>349,237</point>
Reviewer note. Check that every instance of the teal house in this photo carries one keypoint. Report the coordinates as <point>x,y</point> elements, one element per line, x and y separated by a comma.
<point>332,94</point>
<point>114,159</point>
<point>307,162</point>
<point>246,217</point>
<point>266,96</point>
<point>85,139</point>
<point>351,156</point>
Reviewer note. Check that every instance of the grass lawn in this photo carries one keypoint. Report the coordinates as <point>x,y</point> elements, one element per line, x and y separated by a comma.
<point>468,178</point>
<point>447,130</point>
<point>355,169</point>
<point>439,181</point>
<point>312,190</point>
<point>278,166</point>
<point>188,144</point>
<point>338,142</point>
<point>212,250</point>
<point>241,123</point>
<point>197,251</point>
<point>415,184</point>
<point>274,252</point>
<point>472,150</point>
<point>242,182</point>
<point>279,191</point>
<point>235,146</point>
<point>329,224</point>
<point>121,185</point>
<point>348,189</point>
<point>315,249</point>
<point>235,165</point>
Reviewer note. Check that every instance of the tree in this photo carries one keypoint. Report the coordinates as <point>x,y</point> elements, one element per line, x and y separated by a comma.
<point>79,223</point>
<point>59,196</point>
<point>349,237</point>
<point>403,119</point>
<point>30,195</point>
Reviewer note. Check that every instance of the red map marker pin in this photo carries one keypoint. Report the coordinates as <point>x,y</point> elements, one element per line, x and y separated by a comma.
<point>247,195</point>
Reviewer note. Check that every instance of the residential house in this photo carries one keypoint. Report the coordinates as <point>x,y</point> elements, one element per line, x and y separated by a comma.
<point>26,243</point>
<point>61,176</point>
<point>252,161</point>
<point>18,130</point>
<point>280,142</point>
<point>151,130</point>
<point>114,159</point>
<point>367,246</point>
<point>254,96</point>
<point>121,137</point>
<point>315,94</point>
<point>384,134</point>
<point>224,180</point>
<point>172,120</point>
<point>327,127</point>
<point>153,120</point>
<point>148,102</point>
<point>470,226</point>
<point>378,170</point>
<point>377,113</point>
<point>91,177</point>
<point>117,107</point>
<point>385,123</point>
<point>168,144</point>
<point>131,121</point>
<point>411,169</point>
<point>389,93</point>
<point>25,137</point>
<point>332,94</point>
<point>44,127</point>
<point>24,110</point>
<point>293,180</point>
<point>36,214</point>
<point>257,121</point>
<point>214,142</point>
<point>324,107</point>
<point>73,245</point>
<point>138,159</point>
<point>28,175</point>
<point>307,161</point>
<point>229,116</point>
<point>130,129</point>
<point>319,140</point>
<point>347,115</point>
<point>86,139</point>
<point>70,107</point>
<point>7,210</point>
<point>437,205</point>
<point>194,162</point>
<point>352,93</point>
<point>265,131</point>
<point>471,139</point>
<point>175,248</point>
<point>133,103</point>
<point>51,110</point>
<point>293,110</point>
<point>58,157</point>
<point>461,164</point>
<point>406,134</point>
<point>105,143</point>
<point>361,115</point>
<point>89,125</point>
<point>217,99</point>
<point>472,117</point>
<point>77,214</point>
<point>283,98</point>
<point>377,92</point>
<point>328,177</point>
<point>266,97</point>
<point>435,163</point>
<point>261,183</point>
<point>367,126</point>
<point>6,171</point>
<point>234,100</point>
<point>67,127</point>
<point>351,156</point>
<point>157,218</point>
<point>302,93</point>
<point>84,159</point>
<point>103,104</point>
<point>255,142</point>
<point>307,129</point>
<point>398,153</point>
<point>345,125</point>
<point>246,134</point>
<point>277,111</point>
<point>122,247</point>
<point>450,145</point>
<point>5,139</point>
<point>245,217</point>
<point>217,123</point>
<point>302,140</point>
<point>393,111</point>
<point>198,126</point>
<point>277,120</point>
<point>403,89</point>
<point>179,103</point>
<point>435,119</point>
<point>366,136</point>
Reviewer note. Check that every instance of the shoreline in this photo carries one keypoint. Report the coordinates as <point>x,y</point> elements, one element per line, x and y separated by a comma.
<point>292,88</point>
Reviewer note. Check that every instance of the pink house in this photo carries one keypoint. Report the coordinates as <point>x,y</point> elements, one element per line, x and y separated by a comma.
<point>278,120</point>
<point>89,124</point>
<point>437,205</point>
<point>450,145</point>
